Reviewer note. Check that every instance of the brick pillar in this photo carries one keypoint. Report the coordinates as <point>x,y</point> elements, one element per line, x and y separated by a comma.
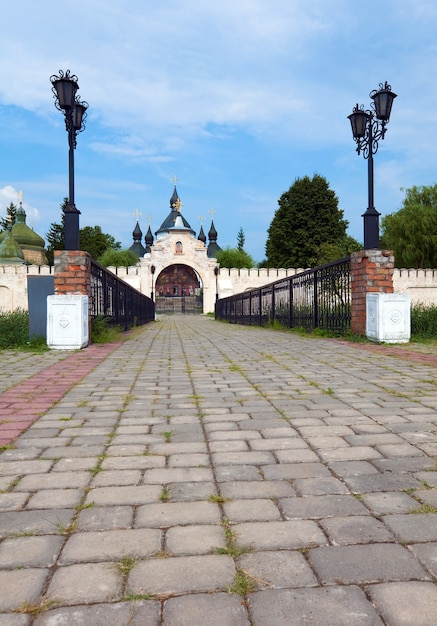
<point>72,273</point>
<point>371,271</point>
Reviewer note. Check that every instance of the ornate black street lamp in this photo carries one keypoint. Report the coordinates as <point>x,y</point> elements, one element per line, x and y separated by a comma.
<point>368,127</point>
<point>64,89</point>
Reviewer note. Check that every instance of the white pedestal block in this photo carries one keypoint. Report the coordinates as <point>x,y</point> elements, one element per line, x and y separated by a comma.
<point>388,317</point>
<point>67,322</point>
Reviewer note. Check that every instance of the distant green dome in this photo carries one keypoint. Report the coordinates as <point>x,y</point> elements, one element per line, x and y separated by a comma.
<point>24,235</point>
<point>10,251</point>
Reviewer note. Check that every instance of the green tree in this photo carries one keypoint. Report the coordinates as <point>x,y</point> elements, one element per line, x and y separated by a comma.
<point>232,257</point>
<point>307,218</point>
<point>241,239</point>
<point>411,232</point>
<point>95,242</point>
<point>9,220</point>
<point>118,258</point>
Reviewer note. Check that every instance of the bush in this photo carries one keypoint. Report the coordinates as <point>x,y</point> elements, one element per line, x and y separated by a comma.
<point>14,329</point>
<point>423,322</point>
<point>102,332</point>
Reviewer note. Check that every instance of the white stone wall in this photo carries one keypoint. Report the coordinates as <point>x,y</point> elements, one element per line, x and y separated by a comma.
<point>13,284</point>
<point>420,285</point>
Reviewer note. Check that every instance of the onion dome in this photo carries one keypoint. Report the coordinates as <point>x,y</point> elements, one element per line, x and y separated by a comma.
<point>149,239</point>
<point>137,247</point>
<point>24,235</point>
<point>213,246</point>
<point>201,237</point>
<point>10,251</point>
<point>174,221</point>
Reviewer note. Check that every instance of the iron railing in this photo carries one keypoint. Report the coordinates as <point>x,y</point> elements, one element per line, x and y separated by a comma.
<point>118,302</point>
<point>316,298</point>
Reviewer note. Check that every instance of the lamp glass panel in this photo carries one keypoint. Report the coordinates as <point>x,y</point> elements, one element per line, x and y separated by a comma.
<point>66,91</point>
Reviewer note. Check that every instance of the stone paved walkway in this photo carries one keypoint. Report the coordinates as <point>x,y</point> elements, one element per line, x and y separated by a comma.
<point>206,474</point>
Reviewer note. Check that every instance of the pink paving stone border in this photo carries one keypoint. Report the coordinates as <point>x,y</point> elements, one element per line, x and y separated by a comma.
<point>24,403</point>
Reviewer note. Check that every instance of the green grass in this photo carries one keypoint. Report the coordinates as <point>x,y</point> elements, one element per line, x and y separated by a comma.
<point>103,332</point>
<point>423,322</point>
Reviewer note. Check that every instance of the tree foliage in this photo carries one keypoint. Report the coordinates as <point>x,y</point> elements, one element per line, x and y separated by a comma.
<point>411,232</point>
<point>118,258</point>
<point>9,220</point>
<point>241,239</point>
<point>232,257</point>
<point>307,221</point>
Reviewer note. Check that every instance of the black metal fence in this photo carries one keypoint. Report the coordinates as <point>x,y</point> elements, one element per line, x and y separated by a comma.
<point>316,298</point>
<point>118,302</point>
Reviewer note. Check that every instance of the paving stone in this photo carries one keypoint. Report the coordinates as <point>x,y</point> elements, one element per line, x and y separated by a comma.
<point>352,453</point>
<point>133,463</point>
<point>381,482</point>
<point>131,495</point>
<point>110,545</point>
<point>116,478</point>
<point>86,583</point>
<point>364,564</point>
<point>251,510</point>
<point>257,489</point>
<point>383,503</point>
<point>352,468</point>
<point>297,456</point>
<point>278,569</point>
<point>21,468</point>
<point>289,471</point>
<point>222,609</point>
<point>40,551</point>
<point>55,498</point>
<point>188,460</point>
<point>167,514</point>
<point>319,486</point>
<point>224,473</point>
<point>185,574</point>
<point>195,539</point>
<point>279,535</point>
<point>184,492</point>
<point>406,603</point>
<point>316,507</point>
<point>136,613</point>
<point>290,443</point>
<point>229,446</point>
<point>330,606</point>
<point>12,501</point>
<point>106,518</point>
<point>427,555</point>
<point>355,530</point>
<point>243,458</point>
<point>19,587</point>
<point>12,619</point>
<point>36,522</point>
<point>36,482</point>
<point>165,476</point>
<point>413,528</point>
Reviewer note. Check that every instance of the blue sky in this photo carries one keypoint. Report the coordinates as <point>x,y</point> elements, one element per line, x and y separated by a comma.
<point>235,98</point>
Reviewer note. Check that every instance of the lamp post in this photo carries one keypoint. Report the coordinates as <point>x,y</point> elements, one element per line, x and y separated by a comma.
<point>64,89</point>
<point>368,127</point>
<point>152,271</point>
<point>216,273</point>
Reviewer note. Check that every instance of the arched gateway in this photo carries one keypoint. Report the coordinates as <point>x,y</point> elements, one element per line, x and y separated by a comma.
<point>178,269</point>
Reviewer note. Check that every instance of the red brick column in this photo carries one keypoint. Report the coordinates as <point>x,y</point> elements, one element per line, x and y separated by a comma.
<point>72,272</point>
<point>371,271</point>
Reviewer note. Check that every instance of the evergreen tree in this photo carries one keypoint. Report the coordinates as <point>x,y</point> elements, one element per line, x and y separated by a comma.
<point>241,239</point>
<point>411,232</point>
<point>10,219</point>
<point>308,218</point>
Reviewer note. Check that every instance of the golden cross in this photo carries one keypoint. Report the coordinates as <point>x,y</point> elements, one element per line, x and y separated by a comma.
<point>212,212</point>
<point>149,219</point>
<point>20,195</point>
<point>201,218</point>
<point>177,205</point>
<point>174,179</point>
<point>137,214</point>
